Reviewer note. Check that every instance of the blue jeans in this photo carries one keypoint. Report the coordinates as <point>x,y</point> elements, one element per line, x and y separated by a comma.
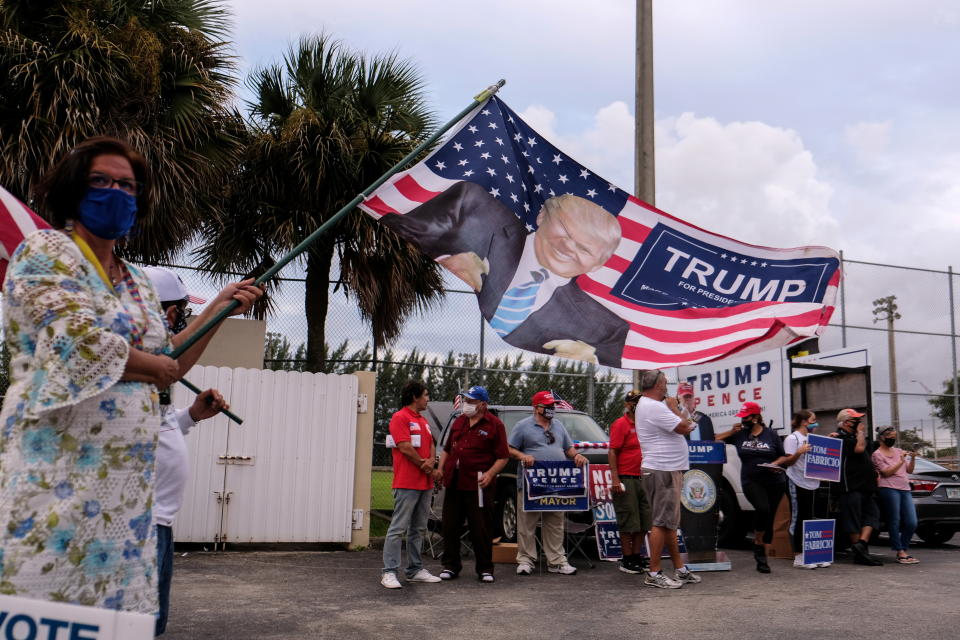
<point>901,516</point>
<point>164,574</point>
<point>411,508</point>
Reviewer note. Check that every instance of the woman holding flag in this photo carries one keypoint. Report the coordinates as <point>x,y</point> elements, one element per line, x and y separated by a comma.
<point>79,424</point>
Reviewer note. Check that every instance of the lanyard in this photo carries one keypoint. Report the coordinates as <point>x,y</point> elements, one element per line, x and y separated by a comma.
<point>136,335</point>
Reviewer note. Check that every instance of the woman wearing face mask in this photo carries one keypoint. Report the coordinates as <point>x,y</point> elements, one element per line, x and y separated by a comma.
<point>802,490</point>
<point>80,420</point>
<point>893,464</point>
<point>760,449</point>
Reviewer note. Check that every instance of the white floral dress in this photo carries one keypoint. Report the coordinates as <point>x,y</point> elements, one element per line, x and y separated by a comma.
<point>76,444</point>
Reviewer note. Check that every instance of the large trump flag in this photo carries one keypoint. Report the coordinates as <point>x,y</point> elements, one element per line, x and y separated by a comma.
<point>564,262</point>
<point>16,221</point>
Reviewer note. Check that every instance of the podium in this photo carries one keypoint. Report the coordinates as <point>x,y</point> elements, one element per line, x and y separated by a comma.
<point>699,514</point>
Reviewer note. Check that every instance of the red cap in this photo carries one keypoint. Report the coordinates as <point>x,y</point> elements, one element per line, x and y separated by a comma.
<point>685,389</point>
<point>749,409</point>
<point>543,397</point>
<point>846,414</point>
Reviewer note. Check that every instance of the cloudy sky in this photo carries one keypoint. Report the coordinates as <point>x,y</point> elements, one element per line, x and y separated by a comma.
<point>833,122</point>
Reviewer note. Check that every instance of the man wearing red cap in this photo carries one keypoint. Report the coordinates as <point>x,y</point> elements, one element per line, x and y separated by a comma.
<point>764,485</point>
<point>541,437</point>
<point>688,408</point>
<point>859,514</point>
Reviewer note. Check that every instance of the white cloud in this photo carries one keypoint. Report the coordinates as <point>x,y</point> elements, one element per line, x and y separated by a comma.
<point>869,138</point>
<point>749,180</point>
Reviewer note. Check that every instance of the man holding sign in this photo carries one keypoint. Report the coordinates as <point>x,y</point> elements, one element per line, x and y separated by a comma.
<point>541,437</point>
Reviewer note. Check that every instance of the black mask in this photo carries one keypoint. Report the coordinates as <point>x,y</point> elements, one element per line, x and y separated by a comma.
<point>889,441</point>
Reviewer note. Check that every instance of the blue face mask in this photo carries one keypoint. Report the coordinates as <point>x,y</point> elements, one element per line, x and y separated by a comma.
<point>812,426</point>
<point>108,213</point>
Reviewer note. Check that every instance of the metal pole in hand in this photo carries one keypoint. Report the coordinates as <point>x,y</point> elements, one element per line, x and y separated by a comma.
<point>322,229</point>
<point>326,226</point>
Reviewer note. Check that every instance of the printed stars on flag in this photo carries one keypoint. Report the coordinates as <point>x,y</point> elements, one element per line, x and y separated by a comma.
<point>542,171</point>
<point>495,192</point>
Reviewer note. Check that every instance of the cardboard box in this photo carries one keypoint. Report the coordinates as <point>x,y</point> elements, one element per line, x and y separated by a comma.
<point>505,553</point>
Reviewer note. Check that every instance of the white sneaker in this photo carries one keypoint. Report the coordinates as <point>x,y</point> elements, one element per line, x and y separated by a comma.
<point>659,580</point>
<point>390,581</point>
<point>424,576</point>
<point>687,577</point>
<point>523,569</point>
<point>798,563</point>
<point>823,565</point>
<point>565,569</point>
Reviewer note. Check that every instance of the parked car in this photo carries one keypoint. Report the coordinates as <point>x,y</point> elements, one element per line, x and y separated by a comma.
<point>578,424</point>
<point>936,492</point>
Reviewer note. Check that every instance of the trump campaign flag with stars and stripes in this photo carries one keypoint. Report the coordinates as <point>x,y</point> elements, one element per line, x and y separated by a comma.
<point>16,221</point>
<point>516,218</point>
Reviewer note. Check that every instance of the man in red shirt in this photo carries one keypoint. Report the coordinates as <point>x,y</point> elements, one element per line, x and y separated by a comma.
<point>474,454</point>
<point>413,479</point>
<point>630,502</point>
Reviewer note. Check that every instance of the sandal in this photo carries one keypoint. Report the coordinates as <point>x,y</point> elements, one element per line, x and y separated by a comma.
<point>486,577</point>
<point>907,560</point>
<point>446,574</point>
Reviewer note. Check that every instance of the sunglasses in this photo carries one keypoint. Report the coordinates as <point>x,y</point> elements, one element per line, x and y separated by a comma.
<point>550,437</point>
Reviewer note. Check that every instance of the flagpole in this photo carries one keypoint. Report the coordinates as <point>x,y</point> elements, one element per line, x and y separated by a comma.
<point>322,229</point>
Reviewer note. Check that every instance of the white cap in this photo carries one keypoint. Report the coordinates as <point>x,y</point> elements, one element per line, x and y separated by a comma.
<point>169,285</point>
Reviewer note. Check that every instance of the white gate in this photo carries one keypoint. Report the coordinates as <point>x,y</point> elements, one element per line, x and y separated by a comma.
<point>286,474</point>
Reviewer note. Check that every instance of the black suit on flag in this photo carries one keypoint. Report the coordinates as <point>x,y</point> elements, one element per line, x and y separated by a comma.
<point>466,218</point>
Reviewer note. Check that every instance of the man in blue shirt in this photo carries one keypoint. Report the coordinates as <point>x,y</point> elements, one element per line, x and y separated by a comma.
<point>541,437</point>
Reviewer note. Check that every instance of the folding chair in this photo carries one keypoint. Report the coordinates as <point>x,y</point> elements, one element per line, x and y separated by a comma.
<point>576,534</point>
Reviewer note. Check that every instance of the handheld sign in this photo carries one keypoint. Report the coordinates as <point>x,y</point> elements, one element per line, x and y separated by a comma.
<point>30,618</point>
<point>818,541</point>
<point>555,486</point>
<point>609,546</point>
<point>823,458</point>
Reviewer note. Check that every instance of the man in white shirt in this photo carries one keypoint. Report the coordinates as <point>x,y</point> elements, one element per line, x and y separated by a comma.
<point>662,430</point>
<point>171,459</point>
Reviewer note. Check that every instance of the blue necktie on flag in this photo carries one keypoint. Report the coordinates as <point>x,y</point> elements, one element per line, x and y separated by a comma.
<point>684,295</point>
<point>517,303</point>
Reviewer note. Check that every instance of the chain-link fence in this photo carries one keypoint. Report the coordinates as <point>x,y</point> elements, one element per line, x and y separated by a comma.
<point>451,348</point>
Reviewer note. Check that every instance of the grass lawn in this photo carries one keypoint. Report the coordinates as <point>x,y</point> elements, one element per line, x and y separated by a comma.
<point>381,499</point>
<point>381,495</point>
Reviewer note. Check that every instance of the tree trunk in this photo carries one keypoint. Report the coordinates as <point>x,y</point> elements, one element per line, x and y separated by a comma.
<point>315,302</point>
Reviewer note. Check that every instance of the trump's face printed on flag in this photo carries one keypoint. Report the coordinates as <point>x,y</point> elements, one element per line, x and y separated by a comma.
<point>574,236</point>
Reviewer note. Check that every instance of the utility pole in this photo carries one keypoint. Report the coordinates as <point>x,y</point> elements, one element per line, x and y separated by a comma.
<point>644,184</point>
<point>886,309</point>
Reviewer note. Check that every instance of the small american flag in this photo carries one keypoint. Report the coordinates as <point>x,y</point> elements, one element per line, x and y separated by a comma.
<point>561,403</point>
<point>457,401</point>
<point>16,221</point>
<point>684,294</point>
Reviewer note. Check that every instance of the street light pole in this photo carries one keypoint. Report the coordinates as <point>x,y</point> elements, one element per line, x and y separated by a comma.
<point>886,309</point>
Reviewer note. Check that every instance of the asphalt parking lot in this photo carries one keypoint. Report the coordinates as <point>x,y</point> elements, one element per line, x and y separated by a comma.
<point>313,594</point>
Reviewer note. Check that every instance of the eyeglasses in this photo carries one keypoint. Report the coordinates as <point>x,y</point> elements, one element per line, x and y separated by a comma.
<point>550,437</point>
<point>99,180</point>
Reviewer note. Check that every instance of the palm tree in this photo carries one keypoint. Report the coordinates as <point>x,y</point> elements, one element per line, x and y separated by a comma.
<point>156,73</point>
<point>324,124</point>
